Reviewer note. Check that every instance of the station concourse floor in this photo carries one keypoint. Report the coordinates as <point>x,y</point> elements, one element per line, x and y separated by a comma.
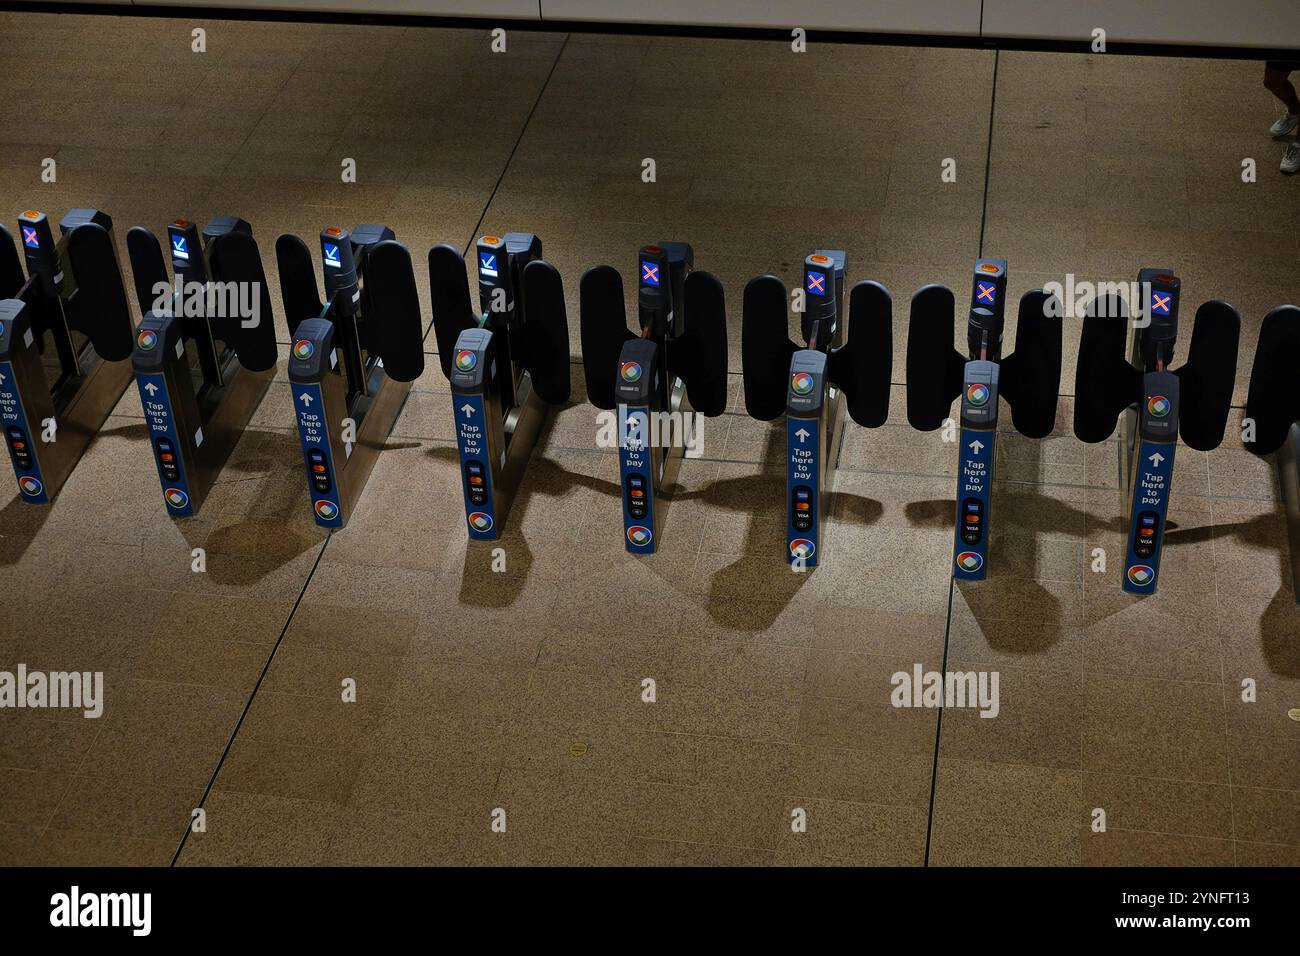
<point>522,690</point>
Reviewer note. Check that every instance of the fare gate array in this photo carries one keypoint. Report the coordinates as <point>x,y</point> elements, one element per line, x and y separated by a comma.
<point>812,383</point>
<point>202,362</point>
<point>675,365</point>
<point>507,363</point>
<point>204,353</point>
<point>1028,380</point>
<point>354,356</point>
<point>1133,378</point>
<point>65,333</point>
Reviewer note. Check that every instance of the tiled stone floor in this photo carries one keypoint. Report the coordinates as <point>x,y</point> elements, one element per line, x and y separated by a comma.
<point>522,690</point>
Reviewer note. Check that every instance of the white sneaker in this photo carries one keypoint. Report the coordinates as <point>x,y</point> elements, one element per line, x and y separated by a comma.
<point>1285,126</point>
<point>1291,158</point>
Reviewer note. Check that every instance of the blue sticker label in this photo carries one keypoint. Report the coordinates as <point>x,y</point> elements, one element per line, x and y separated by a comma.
<point>180,248</point>
<point>816,283</point>
<point>332,259</point>
<point>1161,302</point>
<point>649,273</point>
<point>802,489</point>
<point>475,467</point>
<point>31,238</point>
<point>1146,530</point>
<point>487,264</point>
<point>164,443</point>
<point>971,538</point>
<point>19,439</point>
<point>636,477</point>
<point>986,293</point>
<point>322,484</point>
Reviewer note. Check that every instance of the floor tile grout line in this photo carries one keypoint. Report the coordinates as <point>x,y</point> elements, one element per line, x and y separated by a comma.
<point>505,167</point>
<point>988,155</point>
<point>248,705</point>
<point>938,730</point>
<point>952,587</point>
<point>311,574</point>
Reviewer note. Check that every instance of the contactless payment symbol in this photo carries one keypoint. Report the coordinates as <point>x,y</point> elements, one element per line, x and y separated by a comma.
<point>977,395</point>
<point>1157,406</point>
<point>466,360</point>
<point>30,486</point>
<point>970,561</point>
<point>332,259</point>
<point>480,521</point>
<point>147,339</point>
<point>327,510</point>
<point>303,349</point>
<point>176,498</point>
<point>1140,575</point>
<point>630,371</point>
<point>802,548</point>
<point>639,535</point>
<point>802,383</point>
<point>30,238</point>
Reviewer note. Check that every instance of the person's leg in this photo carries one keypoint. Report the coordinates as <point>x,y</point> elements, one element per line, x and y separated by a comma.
<point>1278,83</point>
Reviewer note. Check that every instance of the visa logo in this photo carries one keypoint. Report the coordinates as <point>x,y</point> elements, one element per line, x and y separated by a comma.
<point>180,249</point>
<point>30,238</point>
<point>487,264</point>
<point>332,256</point>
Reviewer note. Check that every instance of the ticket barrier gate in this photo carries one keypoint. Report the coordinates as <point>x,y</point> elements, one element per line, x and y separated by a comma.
<point>354,356</point>
<point>205,351</point>
<point>1273,405</point>
<point>1160,403</point>
<point>507,362</point>
<point>937,374</point>
<point>658,378</point>
<point>65,333</point>
<point>838,368</point>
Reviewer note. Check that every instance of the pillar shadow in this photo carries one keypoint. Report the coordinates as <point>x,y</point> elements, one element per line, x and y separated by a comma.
<point>1005,634</point>
<point>768,576</point>
<point>1279,625</point>
<point>263,530</point>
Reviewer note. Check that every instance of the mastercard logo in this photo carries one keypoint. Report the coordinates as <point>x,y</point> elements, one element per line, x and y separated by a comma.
<point>327,510</point>
<point>30,486</point>
<point>630,371</point>
<point>1158,406</point>
<point>303,349</point>
<point>802,548</point>
<point>480,521</point>
<point>802,383</point>
<point>639,535</point>
<point>147,339</point>
<point>977,395</point>
<point>969,561</point>
<point>176,498</point>
<point>1140,575</point>
<point>466,360</point>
